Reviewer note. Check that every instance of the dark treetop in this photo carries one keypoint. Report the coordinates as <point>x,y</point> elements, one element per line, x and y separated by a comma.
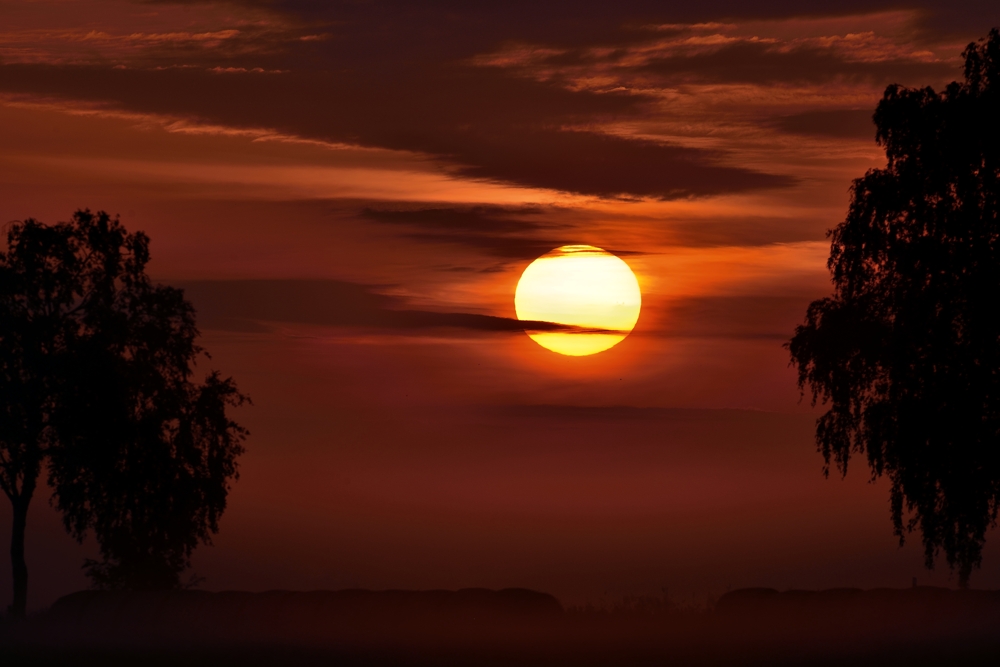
<point>906,353</point>
<point>145,456</point>
<point>96,366</point>
<point>39,272</point>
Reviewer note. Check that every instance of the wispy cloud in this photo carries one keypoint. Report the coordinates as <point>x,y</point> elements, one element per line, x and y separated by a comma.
<point>255,305</point>
<point>113,32</point>
<point>488,126</point>
<point>720,84</point>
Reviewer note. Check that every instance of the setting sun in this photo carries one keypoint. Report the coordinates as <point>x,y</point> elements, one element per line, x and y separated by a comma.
<point>579,286</point>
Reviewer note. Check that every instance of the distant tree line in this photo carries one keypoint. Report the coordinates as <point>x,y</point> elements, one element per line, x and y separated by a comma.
<point>97,388</point>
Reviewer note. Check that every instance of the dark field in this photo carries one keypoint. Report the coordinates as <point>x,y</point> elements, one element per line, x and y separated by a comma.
<point>919,626</point>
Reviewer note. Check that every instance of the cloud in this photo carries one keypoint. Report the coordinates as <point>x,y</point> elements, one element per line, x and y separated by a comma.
<point>253,305</point>
<point>574,23</point>
<point>481,123</point>
<point>582,98</point>
<point>608,166</point>
<point>743,317</point>
<point>484,219</point>
<point>258,305</point>
<point>871,49</point>
<point>508,233</point>
<point>835,123</point>
<point>117,33</point>
<point>758,62</point>
<point>527,232</point>
<point>504,232</point>
<point>750,230</point>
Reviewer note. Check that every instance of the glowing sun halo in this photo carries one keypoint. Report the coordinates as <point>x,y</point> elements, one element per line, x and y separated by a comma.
<point>585,288</point>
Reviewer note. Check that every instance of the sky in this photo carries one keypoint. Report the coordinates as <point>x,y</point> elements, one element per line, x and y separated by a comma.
<point>348,193</point>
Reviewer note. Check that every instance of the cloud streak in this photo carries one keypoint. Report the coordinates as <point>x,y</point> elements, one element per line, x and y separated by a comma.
<point>485,124</point>
<point>255,305</point>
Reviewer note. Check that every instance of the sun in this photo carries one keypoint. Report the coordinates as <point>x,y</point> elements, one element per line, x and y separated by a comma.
<point>589,290</point>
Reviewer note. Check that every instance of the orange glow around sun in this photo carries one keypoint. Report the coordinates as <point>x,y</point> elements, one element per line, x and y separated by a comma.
<point>579,286</point>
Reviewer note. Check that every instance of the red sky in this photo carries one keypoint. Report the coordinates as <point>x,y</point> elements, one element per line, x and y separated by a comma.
<point>308,170</point>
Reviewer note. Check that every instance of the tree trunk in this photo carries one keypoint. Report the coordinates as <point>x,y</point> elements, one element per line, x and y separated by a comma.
<point>17,562</point>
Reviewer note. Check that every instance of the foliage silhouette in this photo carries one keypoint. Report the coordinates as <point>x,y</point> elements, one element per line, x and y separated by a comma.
<point>906,353</point>
<point>144,456</point>
<point>137,452</point>
<point>39,290</point>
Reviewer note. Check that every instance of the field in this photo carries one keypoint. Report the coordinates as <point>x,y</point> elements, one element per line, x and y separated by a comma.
<point>919,626</point>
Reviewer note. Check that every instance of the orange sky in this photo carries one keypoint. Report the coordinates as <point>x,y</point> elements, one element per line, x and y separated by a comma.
<point>308,170</point>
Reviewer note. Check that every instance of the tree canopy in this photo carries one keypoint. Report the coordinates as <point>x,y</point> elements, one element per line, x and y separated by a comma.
<point>145,456</point>
<point>138,452</point>
<point>39,288</point>
<point>906,353</point>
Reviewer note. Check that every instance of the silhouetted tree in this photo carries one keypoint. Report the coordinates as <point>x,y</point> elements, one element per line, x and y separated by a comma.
<point>907,350</point>
<point>39,290</point>
<point>144,457</point>
<point>95,374</point>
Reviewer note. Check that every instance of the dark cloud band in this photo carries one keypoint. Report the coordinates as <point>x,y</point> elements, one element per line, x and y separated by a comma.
<point>253,305</point>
